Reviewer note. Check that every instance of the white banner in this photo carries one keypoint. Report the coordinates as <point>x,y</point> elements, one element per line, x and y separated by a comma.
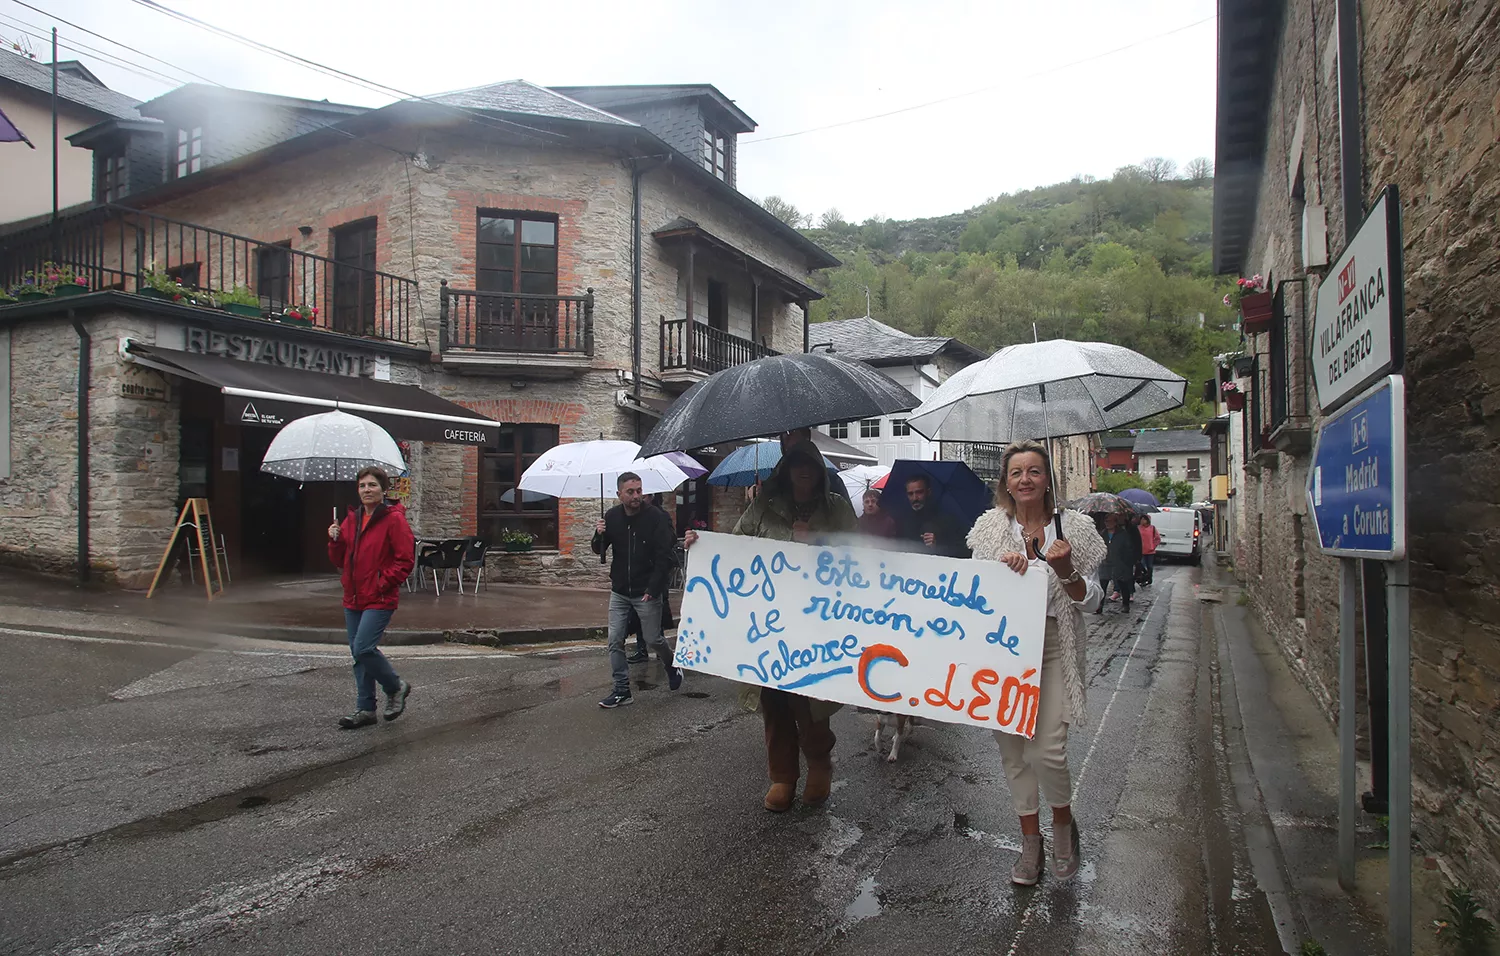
<point>940,638</point>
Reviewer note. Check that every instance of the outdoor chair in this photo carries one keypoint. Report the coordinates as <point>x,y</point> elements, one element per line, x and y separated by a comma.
<point>424,550</point>
<point>474,558</point>
<point>445,556</point>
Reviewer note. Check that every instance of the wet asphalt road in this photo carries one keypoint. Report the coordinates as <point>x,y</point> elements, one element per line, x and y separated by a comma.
<point>161,796</point>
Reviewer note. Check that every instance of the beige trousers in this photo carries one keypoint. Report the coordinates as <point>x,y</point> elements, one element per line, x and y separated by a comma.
<point>1042,760</point>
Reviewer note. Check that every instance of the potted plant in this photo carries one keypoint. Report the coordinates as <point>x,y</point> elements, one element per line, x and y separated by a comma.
<point>1244,366</point>
<point>1254,303</point>
<point>304,315</point>
<point>65,281</point>
<point>240,301</point>
<point>159,285</point>
<point>516,541</point>
<point>34,285</point>
<point>1234,399</point>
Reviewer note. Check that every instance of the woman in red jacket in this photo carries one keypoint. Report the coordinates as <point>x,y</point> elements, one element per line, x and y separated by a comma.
<point>373,547</point>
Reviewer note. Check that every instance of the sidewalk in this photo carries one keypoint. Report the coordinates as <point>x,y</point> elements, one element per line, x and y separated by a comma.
<point>309,610</point>
<point>1283,757</point>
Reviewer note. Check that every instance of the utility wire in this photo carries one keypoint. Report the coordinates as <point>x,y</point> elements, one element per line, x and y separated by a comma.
<point>476,116</point>
<point>115,42</point>
<point>983,89</point>
<point>72,46</point>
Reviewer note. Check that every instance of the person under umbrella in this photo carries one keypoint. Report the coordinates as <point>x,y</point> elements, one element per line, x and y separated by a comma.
<point>374,550</point>
<point>929,526</point>
<point>1123,555</point>
<point>873,522</point>
<point>643,541</point>
<point>1150,541</point>
<point>796,504</point>
<point>1022,532</point>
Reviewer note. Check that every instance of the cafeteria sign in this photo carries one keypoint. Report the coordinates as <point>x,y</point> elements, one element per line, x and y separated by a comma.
<point>942,638</point>
<point>1358,328</point>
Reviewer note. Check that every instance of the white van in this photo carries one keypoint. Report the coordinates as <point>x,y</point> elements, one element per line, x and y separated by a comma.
<point>1181,533</point>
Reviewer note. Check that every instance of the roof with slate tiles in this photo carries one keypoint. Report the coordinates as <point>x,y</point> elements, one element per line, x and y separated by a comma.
<point>1169,440</point>
<point>872,341</point>
<point>24,71</point>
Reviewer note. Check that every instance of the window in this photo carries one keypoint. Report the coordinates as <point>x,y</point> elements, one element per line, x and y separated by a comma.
<point>354,285</point>
<point>112,176</point>
<point>1161,467</point>
<point>273,273</point>
<point>869,428</point>
<point>186,274</point>
<point>838,430</point>
<point>501,504</point>
<point>900,428</point>
<point>189,151</point>
<point>715,156</point>
<point>1193,469</point>
<point>517,252</point>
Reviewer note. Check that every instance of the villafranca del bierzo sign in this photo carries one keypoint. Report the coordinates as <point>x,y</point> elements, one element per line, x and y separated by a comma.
<point>1357,330</point>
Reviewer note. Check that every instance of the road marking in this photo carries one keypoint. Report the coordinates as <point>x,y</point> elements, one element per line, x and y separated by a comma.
<point>250,652</point>
<point>1015,944</point>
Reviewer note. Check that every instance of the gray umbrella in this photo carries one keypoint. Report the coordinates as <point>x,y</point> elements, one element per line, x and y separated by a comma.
<point>773,395</point>
<point>1048,390</point>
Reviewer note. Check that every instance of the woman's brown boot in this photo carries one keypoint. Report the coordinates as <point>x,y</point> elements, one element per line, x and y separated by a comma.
<point>819,782</point>
<point>779,797</point>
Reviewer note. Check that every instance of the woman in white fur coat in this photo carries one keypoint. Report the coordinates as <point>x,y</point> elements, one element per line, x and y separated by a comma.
<point>1022,533</point>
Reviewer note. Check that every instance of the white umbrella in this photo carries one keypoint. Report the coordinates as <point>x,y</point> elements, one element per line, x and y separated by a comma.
<point>860,479</point>
<point>332,446</point>
<point>1048,390</point>
<point>591,469</point>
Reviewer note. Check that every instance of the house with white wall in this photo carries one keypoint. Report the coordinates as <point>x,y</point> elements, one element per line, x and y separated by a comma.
<point>1183,454</point>
<point>917,363</point>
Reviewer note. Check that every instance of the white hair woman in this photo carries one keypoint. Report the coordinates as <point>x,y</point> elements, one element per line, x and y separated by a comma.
<point>1022,533</point>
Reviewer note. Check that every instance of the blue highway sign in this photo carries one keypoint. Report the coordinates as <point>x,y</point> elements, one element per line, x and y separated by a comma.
<point>1357,485</point>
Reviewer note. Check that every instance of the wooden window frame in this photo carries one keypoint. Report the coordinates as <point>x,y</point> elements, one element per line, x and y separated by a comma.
<point>113,172</point>
<point>263,255</point>
<point>1163,467</point>
<point>1194,469</point>
<point>518,245</point>
<point>188,158</point>
<point>714,152</point>
<point>488,521</point>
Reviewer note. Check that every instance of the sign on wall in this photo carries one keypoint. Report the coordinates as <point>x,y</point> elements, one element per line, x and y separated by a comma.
<point>273,350</point>
<point>945,639</point>
<point>1358,327</point>
<point>1357,485</point>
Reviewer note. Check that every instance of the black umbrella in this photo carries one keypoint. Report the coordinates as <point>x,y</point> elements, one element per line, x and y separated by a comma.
<point>773,395</point>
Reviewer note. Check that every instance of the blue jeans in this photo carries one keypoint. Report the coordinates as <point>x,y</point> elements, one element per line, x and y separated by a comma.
<point>1149,560</point>
<point>619,623</point>
<point>370,666</point>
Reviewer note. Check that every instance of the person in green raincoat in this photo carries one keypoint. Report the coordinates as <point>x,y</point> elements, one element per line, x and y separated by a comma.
<point>795,504</point>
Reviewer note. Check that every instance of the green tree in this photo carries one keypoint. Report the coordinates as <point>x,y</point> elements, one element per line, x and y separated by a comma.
<point>1161,487</point>
<point>1115,482</point>
<point>1183,493</point>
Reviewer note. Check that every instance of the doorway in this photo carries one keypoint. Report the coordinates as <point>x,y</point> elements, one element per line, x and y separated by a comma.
<point>354,278</point>
<point>271,511</point>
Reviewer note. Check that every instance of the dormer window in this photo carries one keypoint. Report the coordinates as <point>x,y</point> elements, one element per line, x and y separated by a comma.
<point>715,157</point>
<point>189,150</point>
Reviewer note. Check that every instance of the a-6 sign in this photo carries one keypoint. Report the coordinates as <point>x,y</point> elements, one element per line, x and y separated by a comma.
<point>1357,485</point>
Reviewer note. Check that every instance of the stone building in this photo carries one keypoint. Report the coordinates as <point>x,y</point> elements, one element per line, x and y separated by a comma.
<point>1428,83</point>
<point>1181,454</point>
<point>494,271</point>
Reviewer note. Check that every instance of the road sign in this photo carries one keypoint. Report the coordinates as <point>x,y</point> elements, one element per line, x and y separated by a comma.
<point>1357,485</point>
<point>1358,328</point>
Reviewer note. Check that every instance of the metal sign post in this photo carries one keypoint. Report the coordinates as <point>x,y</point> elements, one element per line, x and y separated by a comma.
<point>1356,491</point>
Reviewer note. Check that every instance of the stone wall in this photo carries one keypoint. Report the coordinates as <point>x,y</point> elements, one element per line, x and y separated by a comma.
<point>1431,87</point>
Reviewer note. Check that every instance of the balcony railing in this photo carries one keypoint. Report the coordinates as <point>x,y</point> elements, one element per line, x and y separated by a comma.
<point>515,322</point>
<point>697,347</point>
<point>113,247</point>
<point>985,459</point>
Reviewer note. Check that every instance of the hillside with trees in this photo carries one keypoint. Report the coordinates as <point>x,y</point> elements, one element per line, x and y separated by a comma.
<point>1124,260</point>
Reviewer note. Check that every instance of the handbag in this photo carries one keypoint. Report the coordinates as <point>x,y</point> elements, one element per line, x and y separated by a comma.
<point>1141,574</point>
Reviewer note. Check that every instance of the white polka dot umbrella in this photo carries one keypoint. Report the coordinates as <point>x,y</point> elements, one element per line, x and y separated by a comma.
<point>333,446</point>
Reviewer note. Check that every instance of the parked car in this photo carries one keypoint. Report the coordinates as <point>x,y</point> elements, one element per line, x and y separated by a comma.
<point>1181,534</point>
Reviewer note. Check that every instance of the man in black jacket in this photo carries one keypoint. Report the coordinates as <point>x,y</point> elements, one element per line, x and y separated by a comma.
<point>928,525</point>
<point>643,540</point>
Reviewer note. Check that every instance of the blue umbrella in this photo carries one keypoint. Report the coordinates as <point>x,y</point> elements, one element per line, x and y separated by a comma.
<point>955,489</point>
<point>1140,496</point>
<point>753,463</point>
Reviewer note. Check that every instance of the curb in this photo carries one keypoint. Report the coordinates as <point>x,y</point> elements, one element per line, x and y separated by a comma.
<point>488,637</point>
<point>491,637</point>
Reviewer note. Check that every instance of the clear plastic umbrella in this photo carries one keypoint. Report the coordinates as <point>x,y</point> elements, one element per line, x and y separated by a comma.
<point>332,446</point>
<point>592,469</point>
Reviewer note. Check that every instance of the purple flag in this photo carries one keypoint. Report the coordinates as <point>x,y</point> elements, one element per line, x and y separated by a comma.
<point>10,133</point>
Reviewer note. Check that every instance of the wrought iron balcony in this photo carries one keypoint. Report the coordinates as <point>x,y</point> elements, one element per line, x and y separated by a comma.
<point>694,350</point>
<point>515,330</point>
<point>115,247</point>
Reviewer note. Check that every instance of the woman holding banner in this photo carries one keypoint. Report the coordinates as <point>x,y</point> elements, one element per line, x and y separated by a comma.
<point>1022,533</point>
<point>795,504</point>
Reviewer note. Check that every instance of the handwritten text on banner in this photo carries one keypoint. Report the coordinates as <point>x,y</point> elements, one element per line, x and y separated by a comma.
<point>941,638</point>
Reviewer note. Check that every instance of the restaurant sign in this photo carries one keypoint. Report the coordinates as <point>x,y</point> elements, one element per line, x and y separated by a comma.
<point>270,350</point>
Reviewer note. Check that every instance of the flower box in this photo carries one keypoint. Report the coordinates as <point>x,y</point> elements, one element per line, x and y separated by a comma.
<point>247,311</point>
<point>1234,401</point>
<point>1243,366</point>
<point>151,293</point>
<point>295,320</point>
<point>70,288</point>
<point>1256,312</point>
<point>516,547</point>
<point>31,296</point>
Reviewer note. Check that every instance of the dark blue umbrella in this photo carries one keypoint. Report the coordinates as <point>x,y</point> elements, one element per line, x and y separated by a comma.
<point>753,463</point>
<point>956,490</point>
<point>1140,496</point>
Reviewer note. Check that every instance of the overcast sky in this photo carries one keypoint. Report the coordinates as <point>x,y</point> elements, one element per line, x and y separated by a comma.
<point>1055,88</point>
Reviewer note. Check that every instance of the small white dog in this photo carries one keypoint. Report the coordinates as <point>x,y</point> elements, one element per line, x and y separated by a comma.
<point>903,723</point>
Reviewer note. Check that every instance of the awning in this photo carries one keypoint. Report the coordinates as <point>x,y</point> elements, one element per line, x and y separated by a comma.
<point>841,454</point>
<point>256,394</point>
